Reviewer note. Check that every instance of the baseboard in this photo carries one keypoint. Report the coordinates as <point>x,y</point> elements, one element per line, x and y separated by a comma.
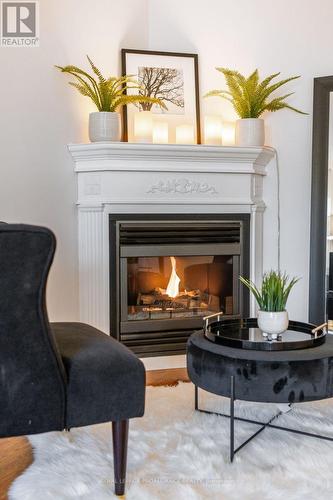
<point>164,362</point>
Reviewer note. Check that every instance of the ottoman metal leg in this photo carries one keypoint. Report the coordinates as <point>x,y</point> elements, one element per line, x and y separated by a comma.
<point>263,425</point>
<point>232,418</point>
<point>196,407</point>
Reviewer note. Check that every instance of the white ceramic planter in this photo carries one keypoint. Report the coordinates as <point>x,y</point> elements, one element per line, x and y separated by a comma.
<point>104,126</point>
<point>273,322</point>
<point>250,132</point>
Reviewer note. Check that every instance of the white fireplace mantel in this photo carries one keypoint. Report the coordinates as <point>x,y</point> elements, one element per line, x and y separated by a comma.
<point>126,178</point>
<point>127,156</point>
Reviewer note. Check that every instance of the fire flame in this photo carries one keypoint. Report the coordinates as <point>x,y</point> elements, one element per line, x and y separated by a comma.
<point>173,285</point>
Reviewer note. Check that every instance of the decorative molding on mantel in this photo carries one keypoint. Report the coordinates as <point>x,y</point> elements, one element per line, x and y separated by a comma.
<point>182,186</point>
<point>124,156</point>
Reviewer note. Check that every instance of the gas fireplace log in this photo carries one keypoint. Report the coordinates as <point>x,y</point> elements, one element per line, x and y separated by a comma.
<point>186,300</point>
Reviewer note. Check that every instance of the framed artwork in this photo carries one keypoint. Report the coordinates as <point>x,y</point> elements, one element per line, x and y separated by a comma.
<point>171,77</point>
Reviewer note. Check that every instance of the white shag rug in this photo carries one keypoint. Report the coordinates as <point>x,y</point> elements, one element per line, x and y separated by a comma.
<point>177,453</point>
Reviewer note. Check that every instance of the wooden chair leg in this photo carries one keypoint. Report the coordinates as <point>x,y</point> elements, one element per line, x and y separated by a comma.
<point>120,439</point>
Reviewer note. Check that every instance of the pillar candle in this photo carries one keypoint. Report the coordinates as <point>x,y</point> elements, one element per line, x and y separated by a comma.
<point>160,133</point>
<point>143,126</point>
<point>228,133</point>
<point>213,130</point>
<point>185,134</point>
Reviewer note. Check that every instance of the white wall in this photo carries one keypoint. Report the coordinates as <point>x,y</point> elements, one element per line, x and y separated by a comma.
<point>40,114</point>
<point>293,37</point>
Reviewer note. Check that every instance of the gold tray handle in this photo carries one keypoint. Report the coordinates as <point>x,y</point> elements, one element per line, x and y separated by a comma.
<point>320,327</point>
<point>207,318</point>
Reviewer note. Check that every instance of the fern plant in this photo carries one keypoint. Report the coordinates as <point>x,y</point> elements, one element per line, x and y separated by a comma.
<point>250,97</point>
<point>274,292</point>
<point>108,94</point>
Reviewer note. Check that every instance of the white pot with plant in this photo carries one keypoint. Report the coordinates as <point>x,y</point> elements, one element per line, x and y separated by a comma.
<point>272,299</point>
<point>250,99</point>
<point>108,95</point>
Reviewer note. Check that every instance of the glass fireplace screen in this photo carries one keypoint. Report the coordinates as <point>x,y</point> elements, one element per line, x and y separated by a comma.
<point>178,287</point>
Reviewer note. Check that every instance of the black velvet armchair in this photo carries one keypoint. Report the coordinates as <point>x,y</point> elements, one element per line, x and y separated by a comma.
<point>55,376</point>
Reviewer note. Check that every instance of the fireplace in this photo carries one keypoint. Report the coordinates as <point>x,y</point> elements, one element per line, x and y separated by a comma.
<point>165,183</point>
<point>170,272</point>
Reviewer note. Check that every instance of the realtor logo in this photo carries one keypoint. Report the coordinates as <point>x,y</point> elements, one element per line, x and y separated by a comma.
<point>19,24</point>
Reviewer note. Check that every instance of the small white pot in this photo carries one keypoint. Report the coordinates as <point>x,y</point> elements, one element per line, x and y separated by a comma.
<point>250,132</point>
<point>104,126</point>
<point>273,322</point>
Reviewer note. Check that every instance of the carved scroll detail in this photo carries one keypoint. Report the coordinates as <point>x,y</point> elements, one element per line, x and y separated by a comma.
<point>182,186</point>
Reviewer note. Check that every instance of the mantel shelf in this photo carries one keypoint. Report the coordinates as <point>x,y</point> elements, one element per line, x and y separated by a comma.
<point>124,156</point>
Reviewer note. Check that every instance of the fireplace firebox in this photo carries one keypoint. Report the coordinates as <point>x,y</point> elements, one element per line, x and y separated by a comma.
<point>168,272</point>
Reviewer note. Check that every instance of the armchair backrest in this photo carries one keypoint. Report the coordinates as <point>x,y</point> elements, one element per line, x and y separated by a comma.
<point>32,376</point>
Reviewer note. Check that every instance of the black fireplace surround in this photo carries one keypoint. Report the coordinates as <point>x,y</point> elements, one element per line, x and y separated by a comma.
<point>168,271</point>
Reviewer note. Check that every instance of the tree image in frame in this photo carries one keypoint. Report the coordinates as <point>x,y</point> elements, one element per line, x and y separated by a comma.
<point>166,84</point>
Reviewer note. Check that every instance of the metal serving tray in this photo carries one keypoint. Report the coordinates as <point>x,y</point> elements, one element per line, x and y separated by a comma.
<point>245,334</point>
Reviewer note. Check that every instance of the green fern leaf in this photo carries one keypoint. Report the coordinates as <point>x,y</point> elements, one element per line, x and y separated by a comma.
<point>96,71</point>
<point>249,96</point>
<point>217,93</point>
<point>85,91</point>
<point>107,94</point>
<point>268,79</point>
<point>269,90</point>
<point>131,99</point>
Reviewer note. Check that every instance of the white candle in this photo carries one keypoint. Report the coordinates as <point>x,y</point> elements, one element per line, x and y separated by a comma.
<point>185,134</point>
<point>213,130</point>
<point>160,133</point>
<point>228,133</point>
<point>143,126</point>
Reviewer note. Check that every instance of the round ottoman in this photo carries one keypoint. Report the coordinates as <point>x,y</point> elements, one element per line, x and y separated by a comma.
<point>261,376</point>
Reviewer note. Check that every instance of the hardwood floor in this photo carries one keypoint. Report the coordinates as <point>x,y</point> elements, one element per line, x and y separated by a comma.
<point>16,453</point>
<point>15,457</point>
<point>166,377</point>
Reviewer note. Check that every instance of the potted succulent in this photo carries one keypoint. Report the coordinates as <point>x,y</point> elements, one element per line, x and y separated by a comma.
<point>250,97</point>
<point>272,299</point>
<point>109,95</point>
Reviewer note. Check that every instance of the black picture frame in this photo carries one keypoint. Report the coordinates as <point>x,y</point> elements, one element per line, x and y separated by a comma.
<point>323,86</point>
<point>125,52</point>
